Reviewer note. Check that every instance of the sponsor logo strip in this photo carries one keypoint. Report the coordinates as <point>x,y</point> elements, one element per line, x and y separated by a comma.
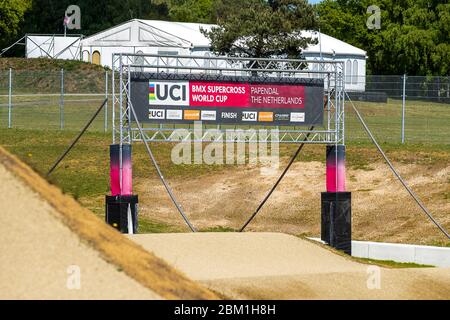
<point>191,114</point>
<point>249,116</point>
<point>282,116</point>
<point>156,114</point>
<point>208,115</point>
<point>174,114</point>
<point>297,117</point>
<point>265,117</point>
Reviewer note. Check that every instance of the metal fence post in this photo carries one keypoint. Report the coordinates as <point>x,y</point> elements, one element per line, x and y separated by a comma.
<point>10,99</point>
<point>403,108</point>
<point>106,97</point>
<point>61,102</point>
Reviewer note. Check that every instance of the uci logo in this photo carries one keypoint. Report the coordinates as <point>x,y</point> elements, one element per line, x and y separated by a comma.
<point>156,114</point>
<point>169,93</point>
<point>249,116</point>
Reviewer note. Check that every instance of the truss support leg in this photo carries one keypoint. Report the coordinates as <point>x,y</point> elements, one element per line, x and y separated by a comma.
<point>336,211</point>
<point>121,212</point>
<point>122,206</point>
<point>115,170</point>
<point>335,168</point>
<point>336,220</point>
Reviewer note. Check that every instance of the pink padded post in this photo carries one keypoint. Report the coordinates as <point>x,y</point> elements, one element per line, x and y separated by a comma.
<point>335,170</point>
<point>114,153</point>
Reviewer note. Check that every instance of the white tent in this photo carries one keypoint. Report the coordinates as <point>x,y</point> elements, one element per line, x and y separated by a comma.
<point>145,36</point>
<point>329,48</point>
<point>177,38</point>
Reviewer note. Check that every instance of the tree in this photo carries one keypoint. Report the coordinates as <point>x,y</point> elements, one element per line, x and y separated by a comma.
<point>96,15</point>
<point>19,17</point>
<point>11,18</point>
<point>262,28</point>
<point>414,37</point>
<point>199,11</point>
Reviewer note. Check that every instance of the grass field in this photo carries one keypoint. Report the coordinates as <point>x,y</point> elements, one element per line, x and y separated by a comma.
<point>425,122</point>
<point>44,112</point>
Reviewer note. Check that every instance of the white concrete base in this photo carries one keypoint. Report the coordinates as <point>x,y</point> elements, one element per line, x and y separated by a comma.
<point>435,256</point>
<point>428,255</point>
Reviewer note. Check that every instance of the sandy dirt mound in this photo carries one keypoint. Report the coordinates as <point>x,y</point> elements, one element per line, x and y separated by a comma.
<point>382,210</point>
<point>43,233</point>
<point>38,252</point>
<point>279,266</point>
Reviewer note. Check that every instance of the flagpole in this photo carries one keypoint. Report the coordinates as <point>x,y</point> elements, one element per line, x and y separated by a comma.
<point>65,22</point>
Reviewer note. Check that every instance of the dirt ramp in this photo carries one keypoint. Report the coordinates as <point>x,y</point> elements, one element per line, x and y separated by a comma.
<point>52,248</point>
<point>394,285</point>
<point>230,255</point>
<point>42,259</point>
<point>279,266</point>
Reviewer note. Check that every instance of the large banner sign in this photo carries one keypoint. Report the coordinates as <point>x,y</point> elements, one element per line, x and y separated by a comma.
<point>227,102</point>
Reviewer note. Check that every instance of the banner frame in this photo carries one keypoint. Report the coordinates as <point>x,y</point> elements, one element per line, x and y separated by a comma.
<point>207,67</point>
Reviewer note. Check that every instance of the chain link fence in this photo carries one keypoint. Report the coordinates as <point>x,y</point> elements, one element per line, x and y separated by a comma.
<point>397,108</point>
<point>402,109</point>
<point>63,100</point>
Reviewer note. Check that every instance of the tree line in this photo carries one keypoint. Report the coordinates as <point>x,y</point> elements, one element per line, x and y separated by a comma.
<point>413,36</point>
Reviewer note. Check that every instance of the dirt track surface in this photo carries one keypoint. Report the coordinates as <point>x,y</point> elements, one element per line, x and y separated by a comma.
<point>44,232</point>
<point>381,209</point>
<point>279,266</point>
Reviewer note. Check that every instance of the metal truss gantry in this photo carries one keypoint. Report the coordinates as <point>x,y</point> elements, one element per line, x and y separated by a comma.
<point>125,131</point>
<point>47,47</point>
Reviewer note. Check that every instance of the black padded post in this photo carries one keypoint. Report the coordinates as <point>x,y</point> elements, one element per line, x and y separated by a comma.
<point>116,212</point>
<point>336,222</point>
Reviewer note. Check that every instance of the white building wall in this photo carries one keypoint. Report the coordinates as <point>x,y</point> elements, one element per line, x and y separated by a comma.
<point>107,52</point>
<point>355,73</point>
<point>354,78</point>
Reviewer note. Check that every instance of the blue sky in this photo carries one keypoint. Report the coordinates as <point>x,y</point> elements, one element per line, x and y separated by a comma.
<point>314,1</point>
